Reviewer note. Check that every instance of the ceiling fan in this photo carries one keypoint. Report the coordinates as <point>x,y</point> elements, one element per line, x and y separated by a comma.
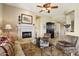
<point>47,7</point>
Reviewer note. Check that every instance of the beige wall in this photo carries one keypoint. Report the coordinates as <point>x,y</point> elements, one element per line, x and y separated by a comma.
<point>41,29</point>
<point>0,14</point>
<point>10,15</point>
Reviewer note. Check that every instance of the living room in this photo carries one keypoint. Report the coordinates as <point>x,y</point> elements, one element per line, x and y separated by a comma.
<point>26,23</point>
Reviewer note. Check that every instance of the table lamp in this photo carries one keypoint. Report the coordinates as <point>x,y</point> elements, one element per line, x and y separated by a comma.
<point>8,28</point>
<point>1,33</point>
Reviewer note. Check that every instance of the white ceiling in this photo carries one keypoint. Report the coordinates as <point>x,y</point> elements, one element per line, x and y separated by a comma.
<point>55,12</point>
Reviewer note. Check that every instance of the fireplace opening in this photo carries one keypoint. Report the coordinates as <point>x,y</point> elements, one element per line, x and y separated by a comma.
<point>26,34</point>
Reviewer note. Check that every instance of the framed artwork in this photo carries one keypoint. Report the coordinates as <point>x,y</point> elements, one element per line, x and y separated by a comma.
<point>26,19</point>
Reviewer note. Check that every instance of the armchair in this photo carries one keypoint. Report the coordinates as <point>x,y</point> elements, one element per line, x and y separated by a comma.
<point>67,47</point>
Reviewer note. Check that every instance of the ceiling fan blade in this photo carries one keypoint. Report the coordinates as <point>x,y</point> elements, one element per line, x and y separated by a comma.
<point>54,7</point>
<point>39,6</point>
<point>41,10</point>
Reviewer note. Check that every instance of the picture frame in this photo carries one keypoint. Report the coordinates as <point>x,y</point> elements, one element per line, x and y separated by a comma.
<point>26,19</point>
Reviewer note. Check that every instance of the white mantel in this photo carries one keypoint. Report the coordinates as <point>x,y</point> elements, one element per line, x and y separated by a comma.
<point>25,28</point>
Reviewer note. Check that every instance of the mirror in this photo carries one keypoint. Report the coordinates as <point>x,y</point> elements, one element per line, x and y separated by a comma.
<point>70,20</point>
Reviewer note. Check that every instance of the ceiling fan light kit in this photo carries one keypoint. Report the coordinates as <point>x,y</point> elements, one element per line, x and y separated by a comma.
<point>43,8</point>
<point>47,7</point>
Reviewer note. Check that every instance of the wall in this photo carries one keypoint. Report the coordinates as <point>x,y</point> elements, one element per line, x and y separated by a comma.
<point>10,15</point>
<point>38,27</point>
<point>43,20</point>
<point>76,22</point>
<point>0,14</point>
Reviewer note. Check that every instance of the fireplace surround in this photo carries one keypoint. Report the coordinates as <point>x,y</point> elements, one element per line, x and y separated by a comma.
<point>26,31</point>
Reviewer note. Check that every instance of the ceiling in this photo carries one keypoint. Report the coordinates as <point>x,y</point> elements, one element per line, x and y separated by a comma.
<point>54,12</point>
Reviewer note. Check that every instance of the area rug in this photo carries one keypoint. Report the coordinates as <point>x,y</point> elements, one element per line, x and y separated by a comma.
<point>30,49</point>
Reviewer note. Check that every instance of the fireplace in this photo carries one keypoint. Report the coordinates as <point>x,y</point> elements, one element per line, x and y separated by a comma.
<point>26,34</point>
<point>26,31</point>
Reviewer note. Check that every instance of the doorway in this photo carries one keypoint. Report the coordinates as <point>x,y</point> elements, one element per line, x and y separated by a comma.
<point>50,28</point>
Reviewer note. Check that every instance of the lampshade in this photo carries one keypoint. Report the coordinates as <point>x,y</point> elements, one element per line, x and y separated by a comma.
<point>8,26</point>
<point>1,32</point>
